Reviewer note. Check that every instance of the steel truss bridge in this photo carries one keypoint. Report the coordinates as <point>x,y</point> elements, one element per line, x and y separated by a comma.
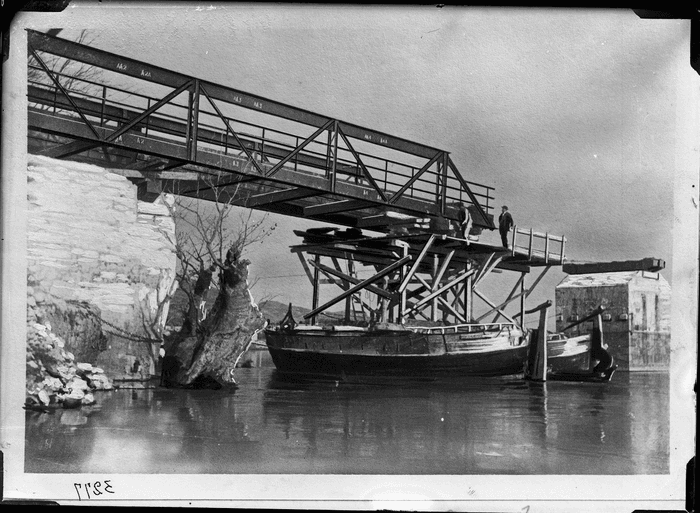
<point>170,132</point>
<point>178,133</point>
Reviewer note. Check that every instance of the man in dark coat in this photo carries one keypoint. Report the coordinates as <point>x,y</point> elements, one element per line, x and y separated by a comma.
<point>505,223</point>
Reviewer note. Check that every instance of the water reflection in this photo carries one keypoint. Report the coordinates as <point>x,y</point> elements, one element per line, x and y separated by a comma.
<point>273,425</point>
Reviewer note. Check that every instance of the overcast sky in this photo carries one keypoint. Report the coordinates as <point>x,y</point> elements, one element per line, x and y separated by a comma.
<point>572,115</point>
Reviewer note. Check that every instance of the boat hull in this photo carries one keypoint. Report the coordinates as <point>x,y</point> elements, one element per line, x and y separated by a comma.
<point>401,353</point>
<point>569,355</point>
<point>429,353</point>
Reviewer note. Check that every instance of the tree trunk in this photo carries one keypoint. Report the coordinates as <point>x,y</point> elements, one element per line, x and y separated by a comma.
<point>208,357</point>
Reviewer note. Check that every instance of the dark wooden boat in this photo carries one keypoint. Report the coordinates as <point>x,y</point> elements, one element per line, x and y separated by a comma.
<point>495,349</point>
<point>568,354</point>
<point>395,350</point>
<point>573,363</point>
<point>582,358</point>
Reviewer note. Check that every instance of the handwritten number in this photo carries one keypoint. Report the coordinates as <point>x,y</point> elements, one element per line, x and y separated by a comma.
<point>95,488</point>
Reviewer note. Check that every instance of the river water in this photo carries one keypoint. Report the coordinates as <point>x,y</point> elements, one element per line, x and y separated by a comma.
<point>270,425</point>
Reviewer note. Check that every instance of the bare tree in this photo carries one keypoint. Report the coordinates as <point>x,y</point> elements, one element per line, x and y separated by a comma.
<point>154,313</point>
<point>208,237</point>
<point>210,241</point>
<point>207,232</point>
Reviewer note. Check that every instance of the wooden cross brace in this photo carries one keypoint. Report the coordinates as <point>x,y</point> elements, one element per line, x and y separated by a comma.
<point>363,284</point>
<point>512,297</point>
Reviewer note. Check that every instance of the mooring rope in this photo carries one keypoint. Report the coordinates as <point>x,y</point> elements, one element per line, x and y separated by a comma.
<point>122,333</point>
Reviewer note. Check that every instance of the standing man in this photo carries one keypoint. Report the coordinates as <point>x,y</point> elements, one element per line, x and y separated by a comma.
<point>465,222</point>
<point>505,223</point>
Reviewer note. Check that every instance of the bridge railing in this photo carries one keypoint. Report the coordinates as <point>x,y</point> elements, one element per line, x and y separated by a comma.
<point>126,96</point>
<point>543,246</point>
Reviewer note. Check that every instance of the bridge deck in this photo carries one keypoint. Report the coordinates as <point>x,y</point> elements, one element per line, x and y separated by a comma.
<point>196,138</point>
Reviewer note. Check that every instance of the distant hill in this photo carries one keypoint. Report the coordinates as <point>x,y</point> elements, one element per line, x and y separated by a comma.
<point>273,310</point>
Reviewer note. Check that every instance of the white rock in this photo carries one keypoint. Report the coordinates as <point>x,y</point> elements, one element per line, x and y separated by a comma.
<point>66,372</point>
<point>56,340</point>
<point>77,384</point>
<point>52,384</point>
<point>101,382</point>
<point>44,397</point>
<point>76,394</point>
<point>88,400</point>
<point>85,367</point>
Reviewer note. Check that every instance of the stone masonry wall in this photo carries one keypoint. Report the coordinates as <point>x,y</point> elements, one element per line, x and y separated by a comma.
<point>90,241</point>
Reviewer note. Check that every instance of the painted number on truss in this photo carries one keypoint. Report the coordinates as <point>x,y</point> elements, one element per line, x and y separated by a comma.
<point>145,73</point>
<point>257,105</point>
<point>121,67</point>
<point>381,140</point>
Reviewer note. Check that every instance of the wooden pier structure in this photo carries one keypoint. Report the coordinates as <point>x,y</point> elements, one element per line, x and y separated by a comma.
<point>427,276</point>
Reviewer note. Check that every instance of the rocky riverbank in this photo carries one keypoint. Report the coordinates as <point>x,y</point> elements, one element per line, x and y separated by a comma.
<point>54,377</point>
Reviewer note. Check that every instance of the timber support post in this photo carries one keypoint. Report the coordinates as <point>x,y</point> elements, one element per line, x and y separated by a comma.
<point>402,293</point>
<point>522,300</point>
<point>314,301</point>
<point>536,366</point>
<point>468,296</point>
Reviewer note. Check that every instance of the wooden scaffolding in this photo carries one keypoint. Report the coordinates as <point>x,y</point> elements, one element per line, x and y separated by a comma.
<point>426,276</point>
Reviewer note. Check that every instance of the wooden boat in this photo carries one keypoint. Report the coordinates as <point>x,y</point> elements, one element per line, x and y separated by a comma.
<point>580,358</point>
<point>394,350</point>
<point>568,354</point>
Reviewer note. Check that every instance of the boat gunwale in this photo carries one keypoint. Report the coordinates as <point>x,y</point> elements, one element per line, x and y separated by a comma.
<point>443,330</point>
<point>375,356</point>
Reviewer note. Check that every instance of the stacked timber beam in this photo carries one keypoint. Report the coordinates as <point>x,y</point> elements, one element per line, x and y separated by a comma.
<point>645,264</point>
